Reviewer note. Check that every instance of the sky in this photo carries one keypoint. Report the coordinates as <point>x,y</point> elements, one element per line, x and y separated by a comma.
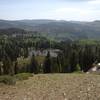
<point>77,10</point>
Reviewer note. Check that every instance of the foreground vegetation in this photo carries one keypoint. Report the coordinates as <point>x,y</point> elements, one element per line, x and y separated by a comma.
<point>11,80</point>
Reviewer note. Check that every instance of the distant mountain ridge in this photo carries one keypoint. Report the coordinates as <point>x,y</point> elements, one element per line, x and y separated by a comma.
<point>59,28</point>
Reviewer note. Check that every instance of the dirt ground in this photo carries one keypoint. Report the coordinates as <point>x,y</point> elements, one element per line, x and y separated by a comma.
<point>54,87</point>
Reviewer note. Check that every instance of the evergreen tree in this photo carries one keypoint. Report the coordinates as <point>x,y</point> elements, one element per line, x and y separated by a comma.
<point>59,64</point>
<point>55,66</point>
<point>7,66</point>
<point>78,69</point>
<point>47,64</point>
<point>25,52</point>
<point>34,65</point>
<point>1,69</point>
<point>73,61</point>
<point>16,67</point>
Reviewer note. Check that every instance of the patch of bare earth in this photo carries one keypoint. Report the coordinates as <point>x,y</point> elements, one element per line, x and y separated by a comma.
<point>54,87</point>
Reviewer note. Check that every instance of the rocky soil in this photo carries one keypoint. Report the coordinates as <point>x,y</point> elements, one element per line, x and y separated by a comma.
<point>54,87</point>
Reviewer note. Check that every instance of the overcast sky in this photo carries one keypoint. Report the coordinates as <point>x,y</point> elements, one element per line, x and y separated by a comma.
<point>80,10</point>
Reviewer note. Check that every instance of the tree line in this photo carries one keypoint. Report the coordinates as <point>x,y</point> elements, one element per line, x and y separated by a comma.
<point>74,56</point>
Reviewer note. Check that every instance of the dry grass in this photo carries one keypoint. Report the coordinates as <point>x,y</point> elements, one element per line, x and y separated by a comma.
<point>40,59</point>
<point>23,61</point>
<point>26,61</point>
<point>54,87</point>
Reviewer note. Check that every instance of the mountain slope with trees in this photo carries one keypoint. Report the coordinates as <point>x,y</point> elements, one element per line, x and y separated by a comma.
<point>55,28</point>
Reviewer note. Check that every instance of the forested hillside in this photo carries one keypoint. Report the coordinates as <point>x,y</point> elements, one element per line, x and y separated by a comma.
<point>41,55</point>
<point>60,29</point>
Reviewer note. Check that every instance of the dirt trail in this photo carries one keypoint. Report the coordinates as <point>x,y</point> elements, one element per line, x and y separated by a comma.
<point>54,87</point>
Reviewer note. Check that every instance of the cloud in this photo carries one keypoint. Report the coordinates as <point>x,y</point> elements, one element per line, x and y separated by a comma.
<point>51,9</point>
<point>72,11</point>
<point>94,2</point>
<point>79,11</point>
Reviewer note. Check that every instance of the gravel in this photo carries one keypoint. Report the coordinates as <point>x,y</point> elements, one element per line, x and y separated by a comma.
<point>54,87</point>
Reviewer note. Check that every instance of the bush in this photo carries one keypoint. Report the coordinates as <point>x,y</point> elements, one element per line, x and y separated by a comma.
<point>78,68</point>
<point>23,76</point>
<point>9,80</point>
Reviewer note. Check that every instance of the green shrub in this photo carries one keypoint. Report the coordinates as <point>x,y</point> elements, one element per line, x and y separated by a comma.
<point>23,76</point>
<point>9,80</point>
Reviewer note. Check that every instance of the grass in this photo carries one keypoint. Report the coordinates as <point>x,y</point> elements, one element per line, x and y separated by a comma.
<point>6,79</point>
<point>23,61</point>
<point>11,80</point>
<point>23,76</point>
<point>40,59</point>
<point>26,61</point>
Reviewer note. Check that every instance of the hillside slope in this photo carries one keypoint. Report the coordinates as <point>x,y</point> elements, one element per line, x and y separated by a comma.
<point>54,87</point>
<point>62,29</point>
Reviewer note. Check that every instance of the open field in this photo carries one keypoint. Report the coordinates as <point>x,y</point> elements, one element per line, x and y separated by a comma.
<point>54,87</point>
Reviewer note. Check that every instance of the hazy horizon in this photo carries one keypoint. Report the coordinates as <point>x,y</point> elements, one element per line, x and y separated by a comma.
<point>50,19</point>
<point>69,10</point>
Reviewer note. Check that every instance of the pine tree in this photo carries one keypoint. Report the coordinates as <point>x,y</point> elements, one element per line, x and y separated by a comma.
<point>16,67</point>
<point>26,52</point>
<point>73,61</point>
<point>47,64</point>
<point>7,66</point>
<point>78,69</point>
<point>1,70</point>
<point>34,65</point>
